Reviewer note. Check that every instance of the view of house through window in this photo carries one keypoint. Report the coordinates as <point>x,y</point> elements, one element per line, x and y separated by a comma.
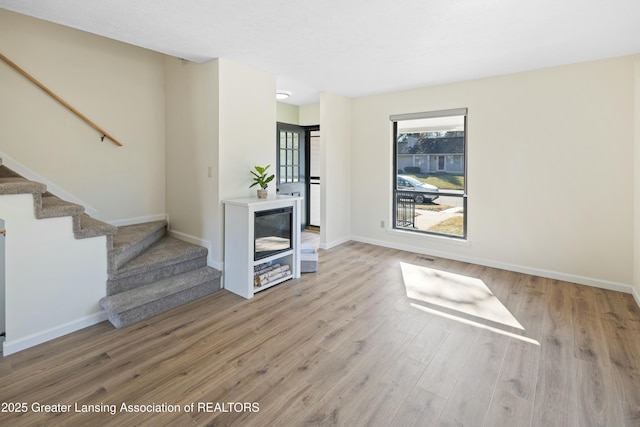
<point>429,194</point>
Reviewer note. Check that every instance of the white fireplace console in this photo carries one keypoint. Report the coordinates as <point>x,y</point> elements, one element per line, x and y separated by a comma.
<point>239,245</point>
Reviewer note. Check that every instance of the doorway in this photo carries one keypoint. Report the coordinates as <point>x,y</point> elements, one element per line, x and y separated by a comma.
<point>298,168</point>
<point>314,178</point>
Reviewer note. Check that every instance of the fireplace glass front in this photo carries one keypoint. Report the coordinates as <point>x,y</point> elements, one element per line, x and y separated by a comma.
<point>272,232</point>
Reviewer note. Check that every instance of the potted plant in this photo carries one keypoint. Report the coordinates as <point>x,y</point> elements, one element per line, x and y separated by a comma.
<point>260,178</point>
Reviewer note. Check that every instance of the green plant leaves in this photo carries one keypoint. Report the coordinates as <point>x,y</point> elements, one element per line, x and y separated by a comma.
<point>260,176</point>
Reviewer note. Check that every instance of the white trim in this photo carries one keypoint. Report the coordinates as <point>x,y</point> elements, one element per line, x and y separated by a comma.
<point>428,236</point>
<point>335,243</point>
<point>589,281</point>
<point>636,295</point>
<point>429,114</point>
<point>198,241</point>
<point>27,173</point>
<point>15,346</point>
<point>139,220</point>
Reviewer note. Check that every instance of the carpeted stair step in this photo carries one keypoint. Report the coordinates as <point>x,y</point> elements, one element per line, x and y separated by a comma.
<point>46,205</point>
<point>165,258</point>
<point>54,207</point>
<point>5,172</point>
<point>19,185</point>
<point>127,308</point>
<point>84,227</point>
<point>131,240</point>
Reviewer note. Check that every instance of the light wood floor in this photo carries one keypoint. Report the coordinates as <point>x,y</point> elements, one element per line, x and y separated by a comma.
<point>346,346</point>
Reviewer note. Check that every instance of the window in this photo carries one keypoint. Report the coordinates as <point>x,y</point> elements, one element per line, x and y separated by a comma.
<point>289,157</point>
<point>429,179</point>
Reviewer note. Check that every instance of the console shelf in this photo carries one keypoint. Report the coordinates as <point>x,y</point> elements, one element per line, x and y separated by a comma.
<point>239,243</point>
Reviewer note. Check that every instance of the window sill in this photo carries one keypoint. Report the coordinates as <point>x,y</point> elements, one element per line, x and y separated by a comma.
<point>457,241</point>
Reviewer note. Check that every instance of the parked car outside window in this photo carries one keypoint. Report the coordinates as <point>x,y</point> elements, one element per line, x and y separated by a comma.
<point>409,183</point>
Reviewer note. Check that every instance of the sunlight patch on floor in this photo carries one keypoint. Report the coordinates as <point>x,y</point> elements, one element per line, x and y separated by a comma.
<point>463,294</point>
<point>475,324</point>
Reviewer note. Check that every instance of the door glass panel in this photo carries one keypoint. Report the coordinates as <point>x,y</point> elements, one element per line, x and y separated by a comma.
<point>289,156</point>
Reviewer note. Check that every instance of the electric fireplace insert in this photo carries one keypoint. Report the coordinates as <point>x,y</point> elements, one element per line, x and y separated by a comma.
<point>272,232</point>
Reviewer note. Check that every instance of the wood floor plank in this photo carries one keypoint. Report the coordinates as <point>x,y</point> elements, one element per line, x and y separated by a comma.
<point>623,348</point>
<point>556,397</point>
<point>444,369</point>
<point>531,310</point>
<point>512,402</point>
<point>387,394</point>
<point>426,344</point>
<point>322,371</point>
<point>370,359</point>
<point>420,409</point>
<point>594,371</point>
<point>469,401</point>
<point>346,346</point>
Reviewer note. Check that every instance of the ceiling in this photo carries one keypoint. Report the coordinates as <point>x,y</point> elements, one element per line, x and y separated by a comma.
<point>361,47</point>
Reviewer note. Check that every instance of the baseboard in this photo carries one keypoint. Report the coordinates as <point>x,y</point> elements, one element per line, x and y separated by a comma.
<point>636,296</point>
<point>589,281</point>
<point>336,243</point>
<point>14,346</point>
<point>138,220</point>
<point>21,169</point>
<point>197,241</point>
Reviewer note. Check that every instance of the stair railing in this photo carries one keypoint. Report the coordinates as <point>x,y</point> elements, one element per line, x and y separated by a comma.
<point>60,100</point>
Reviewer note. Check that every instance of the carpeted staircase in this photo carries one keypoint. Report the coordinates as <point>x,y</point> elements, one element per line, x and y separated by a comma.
<point>149,271</point>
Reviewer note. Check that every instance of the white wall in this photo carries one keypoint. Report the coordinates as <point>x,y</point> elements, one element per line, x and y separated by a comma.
<point>309,115</point>
<point>247,133</point>
<point>118,86</point>
<point>287,113</point>
<point>335,164</point>
<point>550,170</point>
<point>220,115</point>
<point>53,281</point>
<point>192,148</point>
<point>304,115</point>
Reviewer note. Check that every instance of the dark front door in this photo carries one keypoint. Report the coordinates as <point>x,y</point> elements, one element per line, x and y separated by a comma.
<point>291,175</point>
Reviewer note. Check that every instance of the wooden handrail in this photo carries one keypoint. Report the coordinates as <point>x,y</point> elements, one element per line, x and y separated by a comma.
<point>60,100</point>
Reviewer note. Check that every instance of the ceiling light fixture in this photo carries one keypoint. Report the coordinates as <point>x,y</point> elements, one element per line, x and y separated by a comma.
<point>282,94</point>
